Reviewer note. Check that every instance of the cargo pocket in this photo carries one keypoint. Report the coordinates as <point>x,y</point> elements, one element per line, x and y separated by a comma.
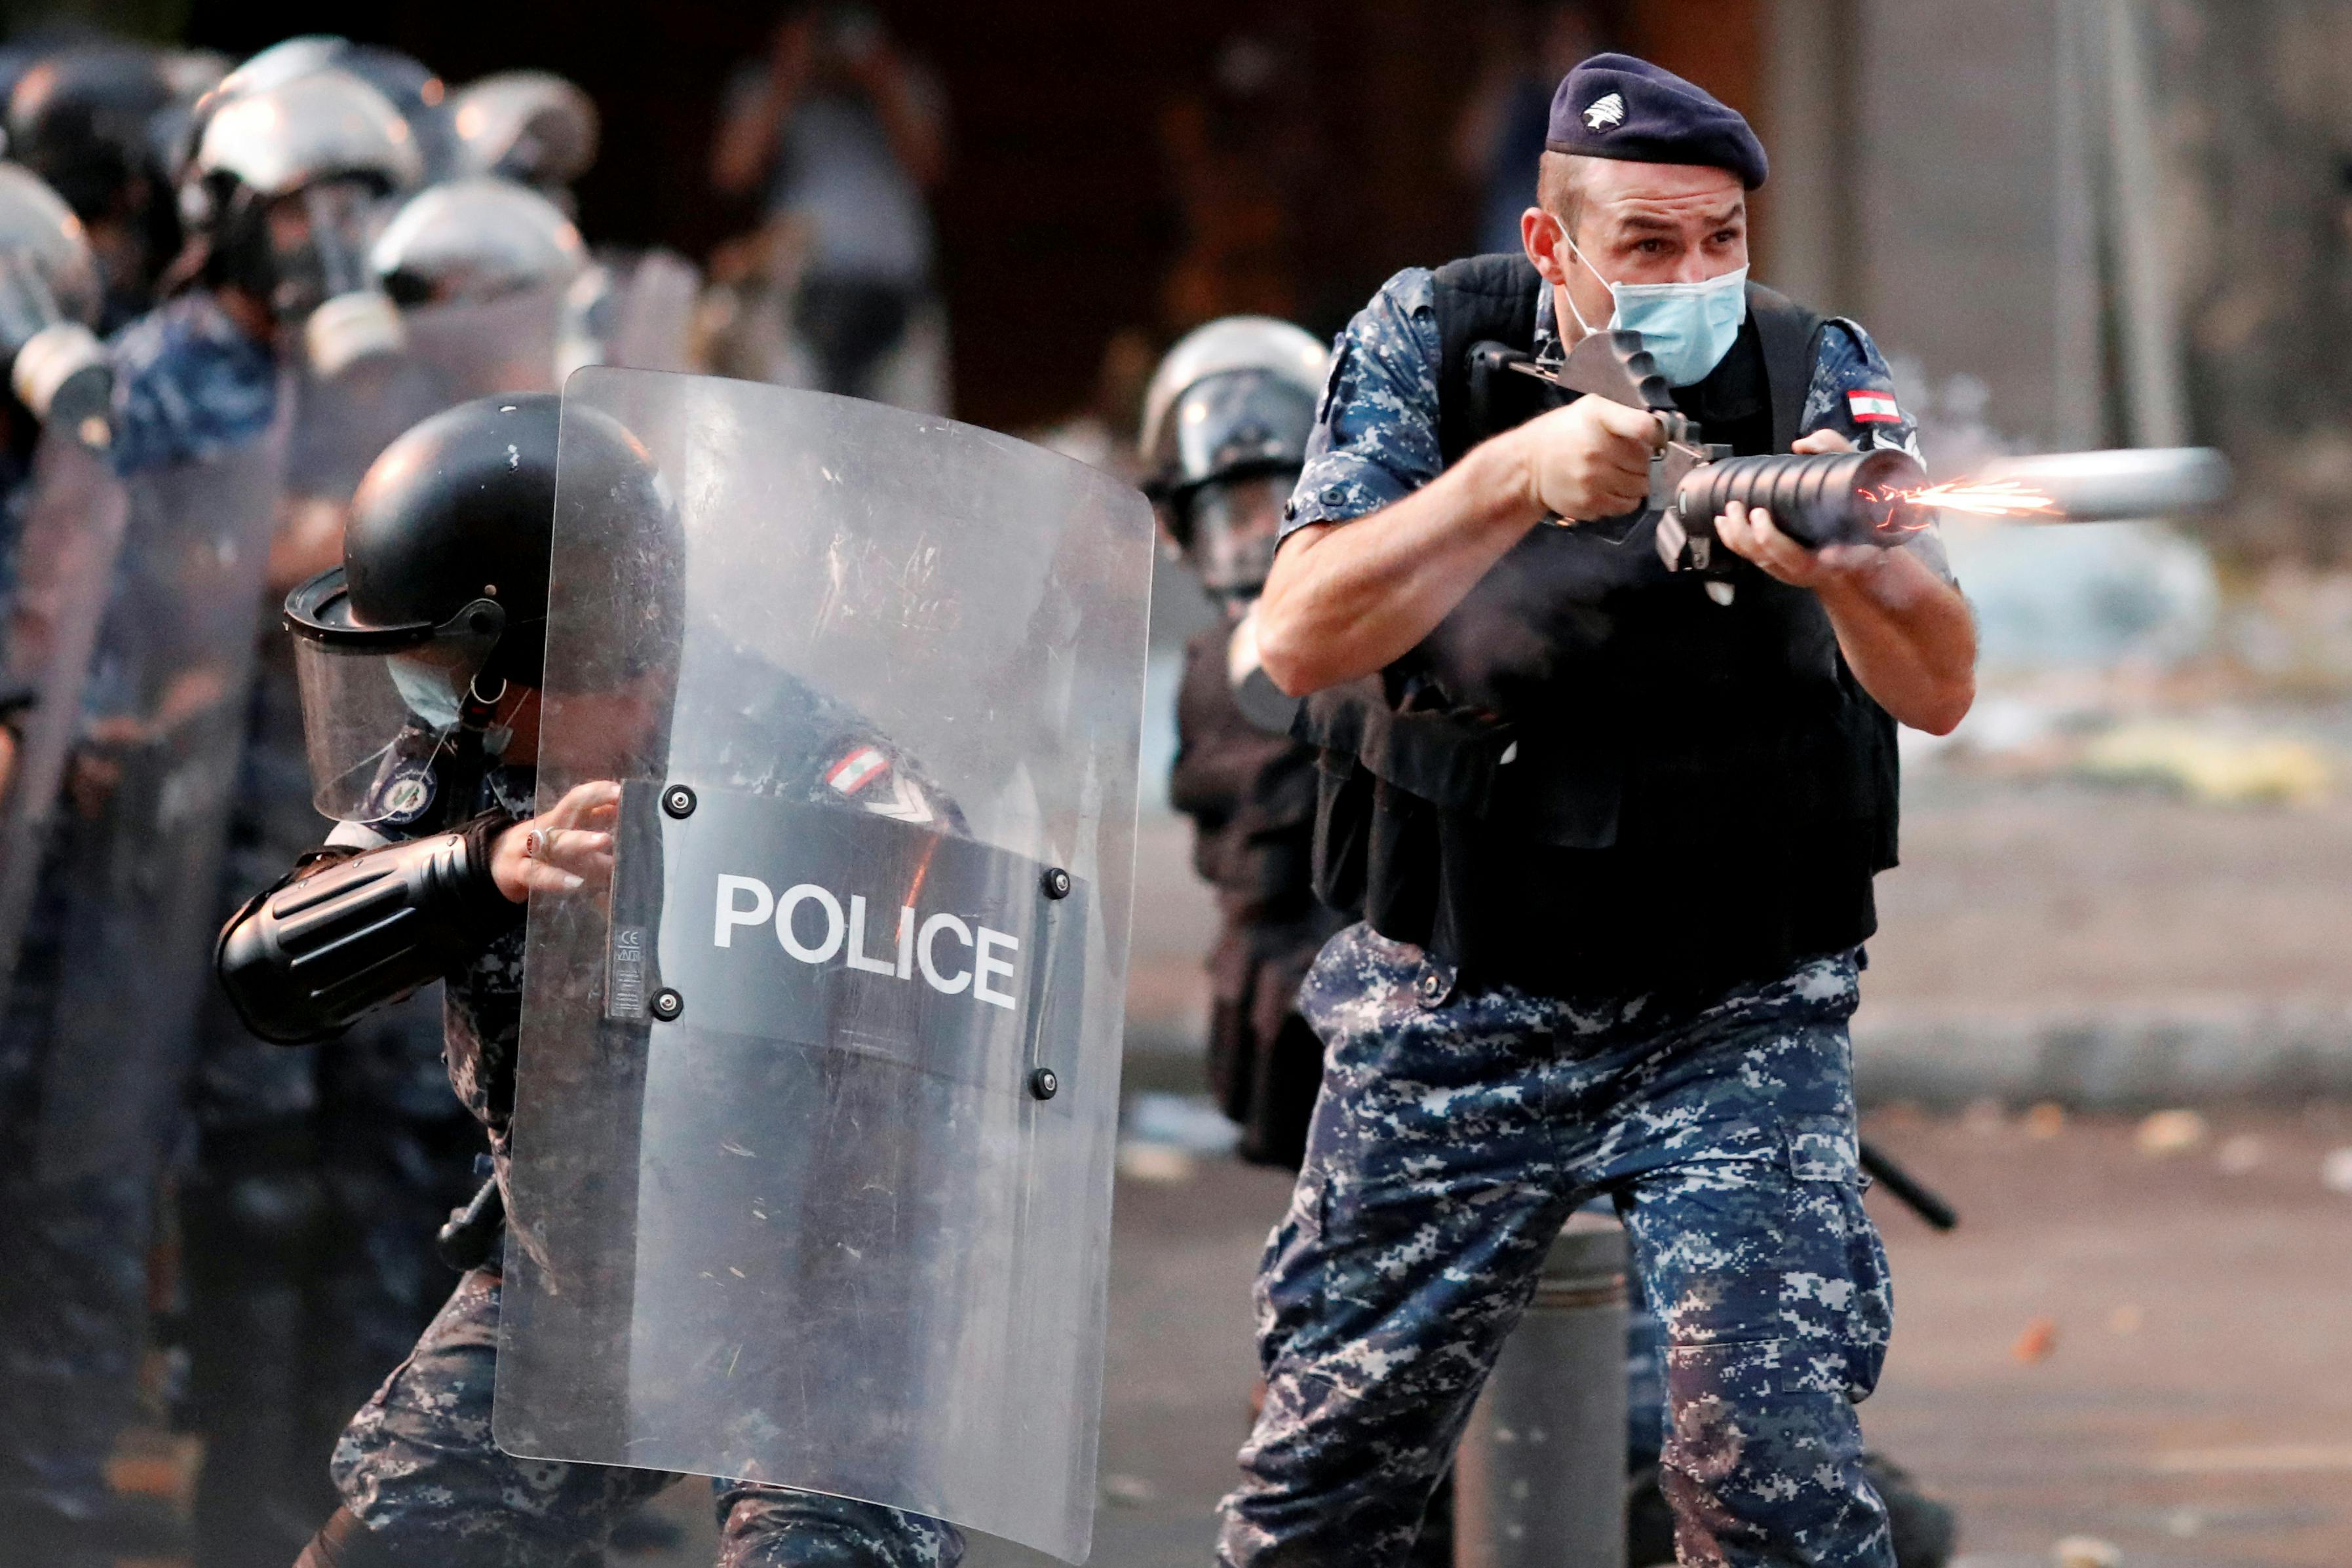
<point>1834,1291</point>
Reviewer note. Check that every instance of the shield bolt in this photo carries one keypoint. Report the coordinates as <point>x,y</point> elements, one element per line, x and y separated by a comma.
<point>1044,1084</point>
<point>1056,882</point>
<point>667,1004</point>
<point>678,801</point>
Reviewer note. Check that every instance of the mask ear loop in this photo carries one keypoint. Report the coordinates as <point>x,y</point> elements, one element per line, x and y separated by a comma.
<point>1568,294</point>
<point>480,707</point>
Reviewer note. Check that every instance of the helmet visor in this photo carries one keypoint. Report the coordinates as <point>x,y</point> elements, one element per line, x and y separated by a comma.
<point>379,704</point>
<point>374,722</point>
<point>1234,525</point>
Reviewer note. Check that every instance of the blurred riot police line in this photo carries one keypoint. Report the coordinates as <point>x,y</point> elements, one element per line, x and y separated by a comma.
<point>134,729</point>
<point>841,137</point>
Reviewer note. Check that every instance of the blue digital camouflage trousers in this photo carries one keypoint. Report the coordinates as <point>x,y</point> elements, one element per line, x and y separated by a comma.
<point>1455,1133</point>
<point>417,1466</point>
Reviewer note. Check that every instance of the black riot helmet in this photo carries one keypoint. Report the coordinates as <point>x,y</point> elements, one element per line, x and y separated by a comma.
<point>443,593</point>
<point>84,120</point>
<point>80,118</point>
<point>1226,423</point>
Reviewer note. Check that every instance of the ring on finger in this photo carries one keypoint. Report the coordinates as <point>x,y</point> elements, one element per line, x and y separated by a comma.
<point>534,845</point>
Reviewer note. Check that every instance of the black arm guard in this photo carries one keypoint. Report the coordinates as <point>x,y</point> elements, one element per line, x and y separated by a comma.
<point>306,959</point>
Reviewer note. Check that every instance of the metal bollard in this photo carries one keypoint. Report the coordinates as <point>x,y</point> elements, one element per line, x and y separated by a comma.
<point>1540,1480</point>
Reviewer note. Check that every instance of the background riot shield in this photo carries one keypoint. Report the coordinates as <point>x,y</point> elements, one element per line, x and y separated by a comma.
<point>342,421</point>
<point>146,808</point>
<point>479,346</point>
<point>654,324</point>
<point>818,1191</point>
<point>66,553</point>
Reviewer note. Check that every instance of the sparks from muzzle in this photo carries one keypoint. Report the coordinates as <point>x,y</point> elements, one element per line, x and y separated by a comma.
<point>1980,498</point>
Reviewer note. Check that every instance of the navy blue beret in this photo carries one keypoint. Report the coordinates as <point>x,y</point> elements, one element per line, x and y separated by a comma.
<point>1614,106</point>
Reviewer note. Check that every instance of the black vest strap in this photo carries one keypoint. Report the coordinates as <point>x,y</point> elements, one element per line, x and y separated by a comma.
<point>1479,299</point>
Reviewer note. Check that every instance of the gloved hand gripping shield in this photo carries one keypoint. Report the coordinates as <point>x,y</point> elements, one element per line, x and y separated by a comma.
<point>816,1107</point>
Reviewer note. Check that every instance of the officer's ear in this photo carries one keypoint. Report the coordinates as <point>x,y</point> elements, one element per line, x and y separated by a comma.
<point>1541,235</point>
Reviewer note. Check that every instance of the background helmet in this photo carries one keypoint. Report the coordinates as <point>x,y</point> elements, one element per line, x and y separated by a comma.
<point>80,119</point>
<point>1226,423</point>
<point>48,299</point>
<point>337,143</point>
<point>531,126</point>
<point>475,239</point>
<point>1235,395</point>
<point>85,121</point>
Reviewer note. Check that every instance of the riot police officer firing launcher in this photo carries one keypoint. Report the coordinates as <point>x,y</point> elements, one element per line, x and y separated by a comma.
<point>1609,827</point>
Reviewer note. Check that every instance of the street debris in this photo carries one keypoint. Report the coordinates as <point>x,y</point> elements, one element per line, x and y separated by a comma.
<point>2212,765</point>
<point>2239,1156</point>
<point>2035,1343</point>
<point>2087,1551</point>
<point>1160,1163</point>
<point>2169,1133</point>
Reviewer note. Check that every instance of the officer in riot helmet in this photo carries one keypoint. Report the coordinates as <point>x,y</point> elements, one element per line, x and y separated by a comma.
<point>278,193</point>
<point>422,660</point>
<point>140,535</point>
<point>1226,422</point>
<point>83,119</point>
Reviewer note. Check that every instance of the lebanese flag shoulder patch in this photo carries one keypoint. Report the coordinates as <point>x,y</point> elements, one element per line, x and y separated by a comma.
<point>1874,407</point>
<point>857,770</point>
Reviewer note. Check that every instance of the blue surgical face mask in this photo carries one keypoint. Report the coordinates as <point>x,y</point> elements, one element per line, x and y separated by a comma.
<point>1687,328</point>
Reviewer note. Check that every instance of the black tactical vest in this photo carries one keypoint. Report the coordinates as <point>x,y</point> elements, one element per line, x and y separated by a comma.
<point>1594,779</point>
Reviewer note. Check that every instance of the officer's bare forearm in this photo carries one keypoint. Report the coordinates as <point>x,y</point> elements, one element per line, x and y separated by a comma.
<point>1345,600</point>
<point>1910,638</point>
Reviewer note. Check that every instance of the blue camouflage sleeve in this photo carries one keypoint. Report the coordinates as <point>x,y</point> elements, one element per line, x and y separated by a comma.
<point>187,383</point>
<point>1852,392</point>
<point>1375,437</point>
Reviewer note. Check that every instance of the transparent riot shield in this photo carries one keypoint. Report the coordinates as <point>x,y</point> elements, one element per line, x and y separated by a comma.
<point>130,897</point>
<point>654,324</point>
<point>70,537</point>
<point>478,347</point>
<point>815,1113</point>
<point>342,421</point>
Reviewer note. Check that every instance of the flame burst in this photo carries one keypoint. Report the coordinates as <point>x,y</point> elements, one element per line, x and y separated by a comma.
<point>1982,498</point>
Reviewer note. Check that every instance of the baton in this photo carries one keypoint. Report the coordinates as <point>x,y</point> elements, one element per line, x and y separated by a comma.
<point>1918,1199</point>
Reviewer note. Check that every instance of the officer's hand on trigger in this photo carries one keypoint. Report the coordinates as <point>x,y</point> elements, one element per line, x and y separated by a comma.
<point>566,849</point>
<point>1589,460</point>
